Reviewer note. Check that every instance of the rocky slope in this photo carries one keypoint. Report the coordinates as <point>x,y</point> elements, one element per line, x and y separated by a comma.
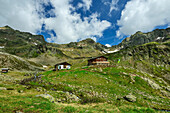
<point>153,58</point>
<point>14,38</point>
<point>139,38</point>
<point>84,48</point>
<point>16,63</point>
<point>35,48</point>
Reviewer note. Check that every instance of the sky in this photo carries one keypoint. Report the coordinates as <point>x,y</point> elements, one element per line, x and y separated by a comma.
<point>105,21</point>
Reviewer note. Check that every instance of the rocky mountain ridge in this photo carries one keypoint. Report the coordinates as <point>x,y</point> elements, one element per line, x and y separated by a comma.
<point>14,38</point>
<point>139,38</point>
<point>31,46</point>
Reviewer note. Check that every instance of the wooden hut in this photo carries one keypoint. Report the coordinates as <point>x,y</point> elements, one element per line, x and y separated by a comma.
<point>101,60</point>
<point>4,70</point>
<point>63,65</point>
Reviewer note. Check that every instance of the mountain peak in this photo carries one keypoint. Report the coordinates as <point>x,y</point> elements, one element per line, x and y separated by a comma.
<point>88,40</point>
<point>5,27</point>
<point>139,38</point>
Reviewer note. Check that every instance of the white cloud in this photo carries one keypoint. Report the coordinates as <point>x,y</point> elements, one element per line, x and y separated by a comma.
<point>28,15</point>
<point>108,45</point>
<point>143,15</point>
<point>20,14</point>
<point>70,27</point>
<point>113,6</point>
<point>85,5</point>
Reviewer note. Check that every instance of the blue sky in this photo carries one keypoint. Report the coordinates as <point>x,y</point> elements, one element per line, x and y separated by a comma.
<point>105,21</point>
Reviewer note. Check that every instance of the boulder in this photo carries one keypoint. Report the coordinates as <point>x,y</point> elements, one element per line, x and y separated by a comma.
<point>71,97</point>
<point>3,88</point>
<point>152,84</point>
<point>47,96</point>
<point>130,98</point>
<point>20,91</point>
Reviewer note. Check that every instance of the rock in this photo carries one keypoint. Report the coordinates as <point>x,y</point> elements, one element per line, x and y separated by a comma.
<point>75,98</point>
<point>71,97</point>
<point>152,84</point>
<point>20,91</point>
<point>130,98</point>
<point>101,70</point>
<point>39,89</point>
<point>164,93</point>
<point>58,100</point>
<point>3,88</point>
<point>166,88</point>
<point>91,87</point>
<point>18,112</point>
<point>47,96</point>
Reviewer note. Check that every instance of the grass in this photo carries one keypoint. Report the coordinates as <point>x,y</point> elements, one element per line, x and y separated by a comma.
<point>99,90</point>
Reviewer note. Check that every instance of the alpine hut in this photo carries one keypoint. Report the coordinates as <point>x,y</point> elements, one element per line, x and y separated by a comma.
<point>63,65</point>
<point>101,60</point>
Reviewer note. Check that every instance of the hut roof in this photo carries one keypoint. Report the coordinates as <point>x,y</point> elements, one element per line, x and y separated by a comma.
<point>4,69</point>
<point>63,63</point>
<point>97,57</point>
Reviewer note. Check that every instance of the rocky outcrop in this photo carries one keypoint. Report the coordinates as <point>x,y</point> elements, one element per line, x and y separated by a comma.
<point>47,96</point>
<point>152,58</point>
<point>3,88</point>
<point>139,38</point>
<point>130,98</point>
<point>14,38</point>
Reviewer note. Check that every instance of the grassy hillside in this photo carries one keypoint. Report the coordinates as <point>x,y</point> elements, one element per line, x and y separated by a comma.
<point>84,48</point>
<point>16,63</point>
<point>88,89</point>
<point>153,58</point>
<point>36,49</point>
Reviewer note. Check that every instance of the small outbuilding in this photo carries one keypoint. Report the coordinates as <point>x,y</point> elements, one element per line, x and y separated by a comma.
<point>63,65</point>
<point>4,70</point>
<point>101,60</point>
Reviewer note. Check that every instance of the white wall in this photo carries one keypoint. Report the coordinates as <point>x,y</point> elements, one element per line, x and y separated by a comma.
<point>62,67</point>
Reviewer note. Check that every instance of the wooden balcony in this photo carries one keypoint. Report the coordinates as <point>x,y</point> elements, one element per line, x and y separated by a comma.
<point>100,62</point>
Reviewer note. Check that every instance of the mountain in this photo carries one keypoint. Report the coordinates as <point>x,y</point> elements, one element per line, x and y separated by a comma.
<point>84,48</point>
<point>14,38</point>
<point>139,38</point>
<point>147,52</point>
<point>35,48</point>
<point>138,83</point>
<point>152,58</point>
<point>16,63</point>
<point>22,44</point>
<point>74,52</point>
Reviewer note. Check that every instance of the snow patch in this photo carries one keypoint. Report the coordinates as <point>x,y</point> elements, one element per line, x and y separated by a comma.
<point>105,52</point>
<point>35,43</point>
<point>159,38</point>
<point>116,50</point>
<point>44,66</point>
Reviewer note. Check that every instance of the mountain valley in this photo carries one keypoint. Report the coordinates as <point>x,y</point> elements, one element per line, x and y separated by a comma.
<point>136,80</point>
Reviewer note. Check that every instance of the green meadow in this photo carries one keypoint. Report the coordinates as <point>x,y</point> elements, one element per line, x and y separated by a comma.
<point>87,89</point>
